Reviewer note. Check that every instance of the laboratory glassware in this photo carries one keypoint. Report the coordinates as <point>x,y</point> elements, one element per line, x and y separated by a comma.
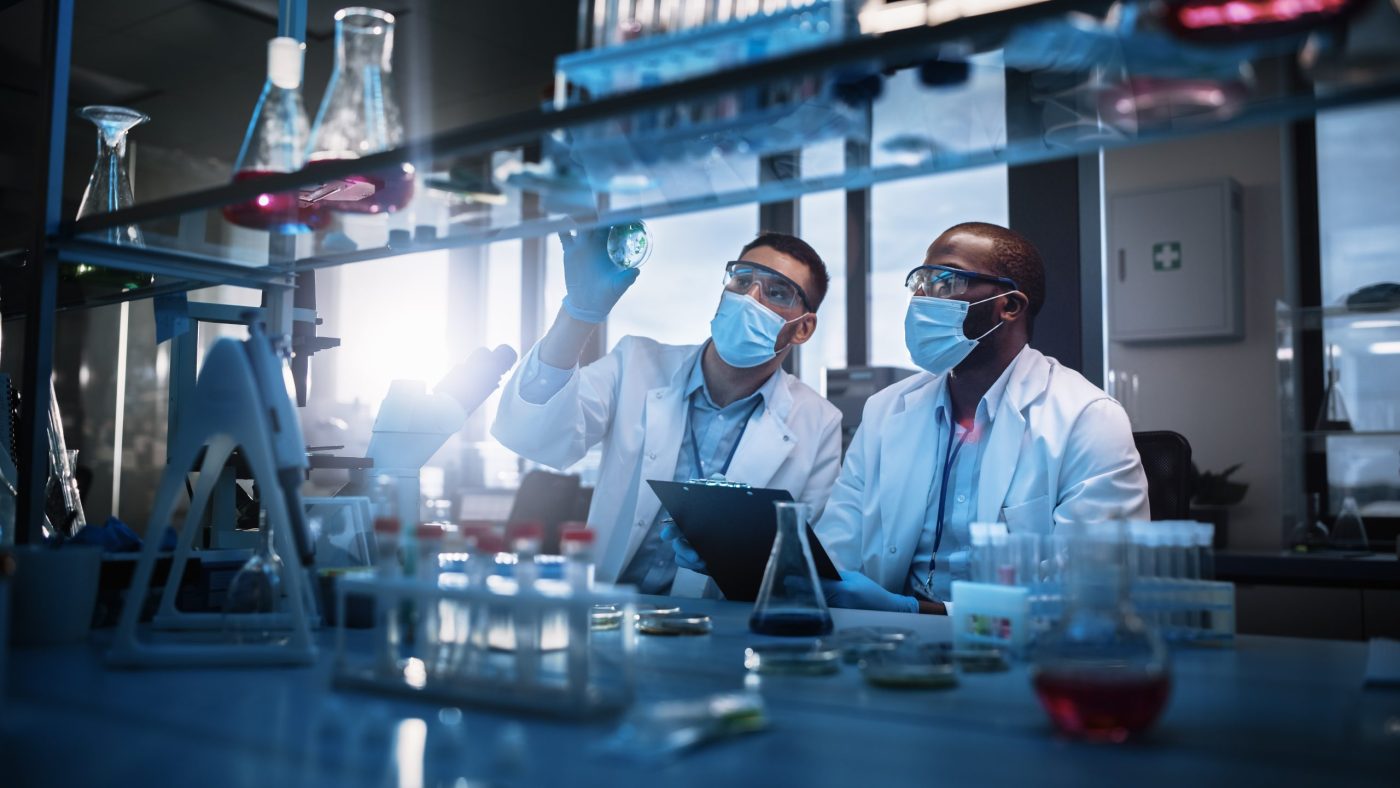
<point>256,589</point>
<point>1333,416</point>
<point>576,545</point>
<point>109,189</point>
<point>790,600</point>
<point>1100,673</point>
<point>275,142</point>
<point>1349,530</point>
<point>629,244</point>
<point>1310,534</point>
<point>816,658</point>
<point>360,116</point>
<point>65,505</point>
<point>673,622</point>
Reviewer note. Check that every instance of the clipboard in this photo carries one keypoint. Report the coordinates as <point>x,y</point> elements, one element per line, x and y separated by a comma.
<point>732,527</point>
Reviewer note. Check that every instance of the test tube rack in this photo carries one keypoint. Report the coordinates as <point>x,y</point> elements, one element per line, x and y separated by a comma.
<point>668,55</point>
<point>498,643</point>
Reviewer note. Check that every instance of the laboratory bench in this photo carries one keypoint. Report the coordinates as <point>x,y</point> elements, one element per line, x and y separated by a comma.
<point>1338,568</point>
<point>1265,711</point>
<point>1330,594</point>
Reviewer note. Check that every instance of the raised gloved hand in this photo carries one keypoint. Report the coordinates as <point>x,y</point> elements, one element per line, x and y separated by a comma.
<point>686,557</point>
<point>593,281</point>
<point>855,590</point>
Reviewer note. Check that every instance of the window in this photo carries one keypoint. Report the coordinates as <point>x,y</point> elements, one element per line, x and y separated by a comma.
<point>676,305</point>
<point>905,218</point>
<point>1359,223</point>
<point>823,224</point>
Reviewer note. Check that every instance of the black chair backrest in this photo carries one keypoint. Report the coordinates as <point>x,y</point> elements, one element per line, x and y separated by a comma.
<point>1166,457</point>
<point>549,499</point>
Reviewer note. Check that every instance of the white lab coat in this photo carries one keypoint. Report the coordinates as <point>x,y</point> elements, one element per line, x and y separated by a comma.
<point>1059,450</point>
<point>632,401</point>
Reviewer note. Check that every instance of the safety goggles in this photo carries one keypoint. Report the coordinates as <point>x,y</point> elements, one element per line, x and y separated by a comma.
<point>941,281</point>
<point>775,289</point>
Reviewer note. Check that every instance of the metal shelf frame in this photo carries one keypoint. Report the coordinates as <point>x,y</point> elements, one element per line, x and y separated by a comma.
<point>56,240</point>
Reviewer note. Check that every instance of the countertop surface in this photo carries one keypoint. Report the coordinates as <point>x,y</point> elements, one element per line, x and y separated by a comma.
<point>1326,568</point>
<point>1268,711</point>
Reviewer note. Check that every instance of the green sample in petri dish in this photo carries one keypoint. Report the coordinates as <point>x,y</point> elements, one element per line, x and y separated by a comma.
<point>672,623</point>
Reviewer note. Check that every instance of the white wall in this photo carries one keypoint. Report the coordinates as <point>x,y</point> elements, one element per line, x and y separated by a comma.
<point>1221,395</point>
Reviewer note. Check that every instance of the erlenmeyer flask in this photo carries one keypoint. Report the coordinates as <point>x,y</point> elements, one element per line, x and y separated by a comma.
<point>360,116</point>
<point>1349,530</point>
<point>256,589</point>
<point>276,143</point>
<point>1100,673</point>
<point>109,189</point>
<point>1333,417</point>
<point>790,601</point>
<point>1310,534</point>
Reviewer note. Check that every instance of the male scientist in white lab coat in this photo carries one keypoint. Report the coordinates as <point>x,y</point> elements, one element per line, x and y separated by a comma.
<point>724,408</point>
<point>993,431</point>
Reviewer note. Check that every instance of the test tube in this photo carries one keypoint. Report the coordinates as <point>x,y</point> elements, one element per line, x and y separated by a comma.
<point>1205,543</point>
<point>1191,574</point>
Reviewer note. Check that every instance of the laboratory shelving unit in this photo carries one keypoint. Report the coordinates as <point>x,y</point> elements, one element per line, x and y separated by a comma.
<point>1066,85</point>
<point>1351,339</point>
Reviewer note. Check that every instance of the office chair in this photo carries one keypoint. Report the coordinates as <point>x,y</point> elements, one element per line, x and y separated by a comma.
<point>1166,457</point>
<point>549,499</point>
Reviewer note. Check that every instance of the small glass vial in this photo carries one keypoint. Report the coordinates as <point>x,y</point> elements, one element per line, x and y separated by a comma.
<point>387,526</point>
<point>576,545</point>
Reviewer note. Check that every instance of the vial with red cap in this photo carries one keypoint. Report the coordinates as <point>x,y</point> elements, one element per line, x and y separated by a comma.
<point>576,542</point>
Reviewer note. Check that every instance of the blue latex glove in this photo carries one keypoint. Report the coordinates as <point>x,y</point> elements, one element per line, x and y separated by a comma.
<point>686,557</point>
<point>855,590</point>
<point>593,281</point>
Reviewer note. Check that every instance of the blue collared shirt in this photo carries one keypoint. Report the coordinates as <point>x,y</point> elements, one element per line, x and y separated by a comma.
<point>713,435</point>
<point>960,505</point>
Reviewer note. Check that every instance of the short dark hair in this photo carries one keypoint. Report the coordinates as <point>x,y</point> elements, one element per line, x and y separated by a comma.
<point>1014,258</point>
<point>802,252</point>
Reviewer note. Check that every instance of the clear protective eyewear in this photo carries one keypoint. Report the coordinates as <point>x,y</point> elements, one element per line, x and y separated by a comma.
<point>941,281</point>
<point>774,288</point>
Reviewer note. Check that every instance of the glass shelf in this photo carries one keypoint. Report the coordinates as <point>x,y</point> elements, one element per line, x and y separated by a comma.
<point>1021,86</point>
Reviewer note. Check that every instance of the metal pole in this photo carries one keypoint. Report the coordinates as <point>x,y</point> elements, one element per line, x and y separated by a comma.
<point>858,254</point>
<point>781,216</point>
<point>40,301</point>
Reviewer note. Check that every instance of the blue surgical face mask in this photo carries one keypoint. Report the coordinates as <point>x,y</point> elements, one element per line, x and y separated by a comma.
<point>745,331</point>
<point>933,331</point>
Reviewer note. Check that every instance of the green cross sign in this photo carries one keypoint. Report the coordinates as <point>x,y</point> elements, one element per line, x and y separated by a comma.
<point>1166,256</point>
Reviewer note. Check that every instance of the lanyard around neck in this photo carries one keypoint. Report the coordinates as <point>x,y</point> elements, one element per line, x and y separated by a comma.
<point>950,456</point>
<point>695,441</point>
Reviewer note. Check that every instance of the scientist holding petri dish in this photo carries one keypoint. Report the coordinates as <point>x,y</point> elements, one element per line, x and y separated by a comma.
<point>994,431</point>
<point>721,409</point>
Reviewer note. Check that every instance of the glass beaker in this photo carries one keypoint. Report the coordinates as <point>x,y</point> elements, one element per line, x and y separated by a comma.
<point>276,143</point>
<point>256,591</point>
<point>109,189</point>
<point>360,115</point>
<point>1100,673</point>
<point>790,601</point>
